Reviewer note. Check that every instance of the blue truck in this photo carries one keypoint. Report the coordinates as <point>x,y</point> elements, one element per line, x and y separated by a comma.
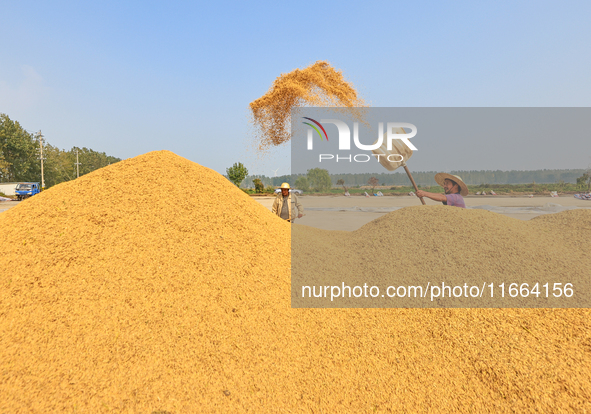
<point>26,190</point>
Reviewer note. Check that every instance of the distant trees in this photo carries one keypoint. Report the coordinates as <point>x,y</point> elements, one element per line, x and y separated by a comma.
<point>340,181</point>
<point>237,173</point>
<point>426,178</point>
<point>469,177</point>
<point>302,183</point>
<point>19,157</point>
<point>18,152</point>
<point>584,180</point>
<point>373,182</point>
<point>259,187</point>
<point>561,184</point>
<point>60,165</point>
<point>319,179</point>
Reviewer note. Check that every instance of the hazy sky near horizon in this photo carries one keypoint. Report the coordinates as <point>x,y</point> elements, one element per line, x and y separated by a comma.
<point>131,77</point>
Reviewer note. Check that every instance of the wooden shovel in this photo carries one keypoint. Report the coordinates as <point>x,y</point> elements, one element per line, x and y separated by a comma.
<point>400,149</point>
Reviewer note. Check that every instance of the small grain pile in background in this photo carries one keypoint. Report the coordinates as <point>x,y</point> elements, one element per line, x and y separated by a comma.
<point>316,85</point>
<point>424,245</point>
<point>156,285</point>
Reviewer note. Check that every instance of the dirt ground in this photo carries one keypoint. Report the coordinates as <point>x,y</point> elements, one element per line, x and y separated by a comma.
<point>5,205</point>
<point>350,213</point>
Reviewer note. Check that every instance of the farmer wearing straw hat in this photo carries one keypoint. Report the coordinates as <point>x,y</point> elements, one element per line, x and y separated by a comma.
<point>454,190</point>
<point>283,204</point>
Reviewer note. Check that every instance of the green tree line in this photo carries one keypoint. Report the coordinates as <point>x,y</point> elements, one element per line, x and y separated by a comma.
<point>19,157</point>
<point>469,177</point>
<point>266,181</point>
<point>427,177</point>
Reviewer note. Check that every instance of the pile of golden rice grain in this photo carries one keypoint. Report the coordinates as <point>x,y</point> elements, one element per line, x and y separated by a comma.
<point>316,85</point>
<point>424,245</point>
<point>155,285</point>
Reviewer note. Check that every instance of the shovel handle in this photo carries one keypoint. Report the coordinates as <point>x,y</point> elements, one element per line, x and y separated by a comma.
<point>412,181</point>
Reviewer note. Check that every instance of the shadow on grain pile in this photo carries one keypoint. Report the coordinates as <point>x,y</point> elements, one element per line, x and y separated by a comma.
<point>156,285</point>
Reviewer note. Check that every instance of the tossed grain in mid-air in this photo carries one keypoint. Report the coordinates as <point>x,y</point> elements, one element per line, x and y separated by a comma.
<point>316,85</point>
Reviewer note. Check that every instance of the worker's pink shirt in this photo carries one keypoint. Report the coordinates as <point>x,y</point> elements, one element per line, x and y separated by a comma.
<point>455,200</point>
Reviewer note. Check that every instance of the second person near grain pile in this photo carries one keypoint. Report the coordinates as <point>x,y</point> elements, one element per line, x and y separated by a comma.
<point>454,190</point>
<point>284,204</point>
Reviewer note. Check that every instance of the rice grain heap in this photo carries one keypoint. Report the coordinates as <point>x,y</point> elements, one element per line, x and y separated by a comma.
<point>316,85</point>
<point>156,285</point>
<point>424,245</point>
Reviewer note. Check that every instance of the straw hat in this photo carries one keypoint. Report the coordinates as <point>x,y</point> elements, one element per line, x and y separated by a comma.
<point>440,178</point>
<point>285,185</point>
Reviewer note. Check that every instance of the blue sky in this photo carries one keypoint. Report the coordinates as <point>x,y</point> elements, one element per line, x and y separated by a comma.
<point>131,77</point>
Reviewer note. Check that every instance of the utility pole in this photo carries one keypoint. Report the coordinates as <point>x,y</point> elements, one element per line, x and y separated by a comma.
<point>40,136</point>
<point>77,165</point>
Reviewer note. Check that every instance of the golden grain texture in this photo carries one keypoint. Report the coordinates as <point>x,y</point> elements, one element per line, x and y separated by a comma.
<point>318,85</point>
<point>156,285</point>
<point>417,245</point>
<point>520,360</point>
